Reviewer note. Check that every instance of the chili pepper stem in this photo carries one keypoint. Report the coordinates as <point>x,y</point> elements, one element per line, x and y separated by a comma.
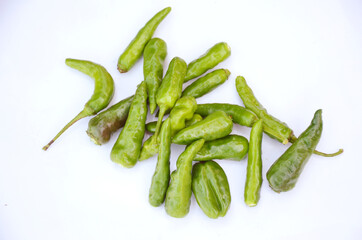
<point>159,121</point>
<point>316,152</point>
<point>80,115</point>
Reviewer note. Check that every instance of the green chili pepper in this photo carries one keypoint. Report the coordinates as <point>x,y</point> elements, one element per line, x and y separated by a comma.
<point>214,126</point>
<point>182,111</point>
<point>154,56</point>
<point>102,126</point>
<point>254,177</point>
<point>161,177</point>
<point>211,188</point>
<point>127,148</point>
<point>206,83</point>
<point>232,147</point>
<point>151,126</point>
<point>195,119</point>
<point>284,172</point>
<point>166,97</point>
<point>102,94</point>
<point>134,50</point>
<point>216,54</point>
<point>238,114</point>
<point>178,196</point>
<point>272,126</point>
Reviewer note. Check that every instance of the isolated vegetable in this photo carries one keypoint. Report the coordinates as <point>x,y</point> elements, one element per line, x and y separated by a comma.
<point>102,94</point>
<point>102,126</point>
<point>135,49</point>
<point>127,148</point>
<point>254,176</point>
<point>211,188</point>
<point>178,196</point>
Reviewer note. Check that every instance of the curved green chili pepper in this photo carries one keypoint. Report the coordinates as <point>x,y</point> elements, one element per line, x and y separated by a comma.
<point>214,126</point>
<point>182,111</point>
<point>178,196</point>
<point>161,177</point>
<point>272,126</point>
<point>232,147</point>
<point>216,54</point>
<point>154,56</point>
<point>238,114</point>
<point>211,188</point>
<point>254,177</point>
<point>206,83</point>
<point>134,50</point>
<point>102,94</point>
<point>102,126</point>
<point>127,148</point>
<point>151,126</point>
<point>166,97</point>
<point>284,172</point>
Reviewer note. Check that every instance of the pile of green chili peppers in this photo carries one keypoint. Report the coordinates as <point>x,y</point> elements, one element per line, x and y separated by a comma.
<point>204,129</point>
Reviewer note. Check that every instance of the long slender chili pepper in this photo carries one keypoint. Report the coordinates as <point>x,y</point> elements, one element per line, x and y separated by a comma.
<point>254,177</point>
<point>102,94</point>
<point>161,177</point>
<point>134,50</point>
<point>272,126</point>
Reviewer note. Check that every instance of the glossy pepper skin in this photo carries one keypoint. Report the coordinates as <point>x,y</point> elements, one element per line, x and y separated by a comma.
<point>214,126</point>
<point>285,171</point>
<point>238,114</point>
<point>102,126</point>
<point>183,110</point>
<point>211,188</point>
<point>254,177</point>
<point>151,126</point>
<point>102,94</point>
<point>178,196</point>
<point>135,49</point>
<point>154,55</point>
<point>206,83</point>
<point>161,177</point>
<point>127,148</point>
<point>233,147</point>
<point>166,97</point>
<point>216,54</point>
<point>272,126</point>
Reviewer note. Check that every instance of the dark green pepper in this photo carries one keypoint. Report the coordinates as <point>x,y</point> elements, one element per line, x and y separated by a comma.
<point>211,188</point>
<point>127,148</point>
<point>284,172</point>
<point>233,147</point>
<point>206,83</point>
<point>102,126</point>
<point>135,49</point>
<point>178,196</point>
<point>214,126</point>
<point>238,114</point>
<point>154,56</point>
<point>216,54</point>
<point>254,177</point>
<point>161,177</point>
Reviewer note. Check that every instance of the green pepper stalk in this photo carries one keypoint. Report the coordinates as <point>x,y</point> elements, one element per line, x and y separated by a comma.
<point>102,94</point>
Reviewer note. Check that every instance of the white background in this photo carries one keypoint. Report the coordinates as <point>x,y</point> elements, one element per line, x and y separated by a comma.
<point>297,56</point>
